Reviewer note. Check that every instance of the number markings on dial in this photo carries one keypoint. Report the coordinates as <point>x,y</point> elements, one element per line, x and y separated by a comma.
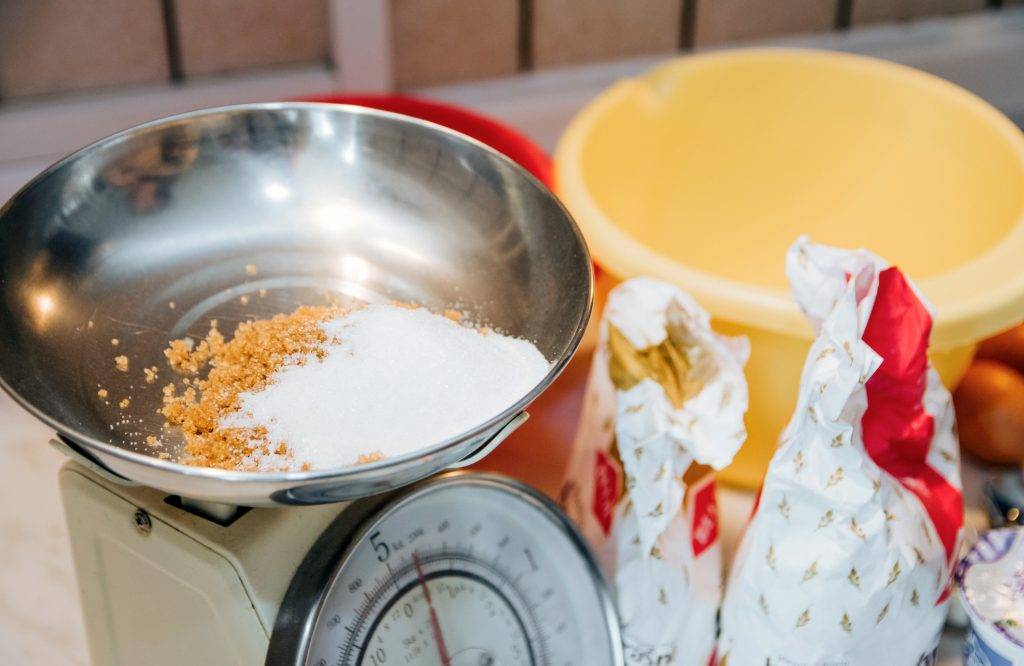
<point>531,587</point>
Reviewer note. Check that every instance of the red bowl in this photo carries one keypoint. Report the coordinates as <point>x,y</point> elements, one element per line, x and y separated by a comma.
<point>501,137</point>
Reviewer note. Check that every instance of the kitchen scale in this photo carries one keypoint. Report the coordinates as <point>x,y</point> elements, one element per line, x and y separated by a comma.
<point>245,212</point>
<point>466,569</point>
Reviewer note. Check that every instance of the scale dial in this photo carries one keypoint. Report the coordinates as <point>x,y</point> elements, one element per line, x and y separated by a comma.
<point>463,570</point>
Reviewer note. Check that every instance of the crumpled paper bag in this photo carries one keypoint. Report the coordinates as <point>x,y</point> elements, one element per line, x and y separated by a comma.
<point>664,403</point>
<point>847,557</point>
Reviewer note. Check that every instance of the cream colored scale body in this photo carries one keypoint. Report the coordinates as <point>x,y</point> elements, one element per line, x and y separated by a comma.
<point>464,569</point>
<point>185,590</point>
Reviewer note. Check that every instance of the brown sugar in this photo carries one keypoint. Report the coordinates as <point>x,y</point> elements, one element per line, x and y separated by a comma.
<point>369,458</point>
<point>121,363</point>
<point>247,362</point>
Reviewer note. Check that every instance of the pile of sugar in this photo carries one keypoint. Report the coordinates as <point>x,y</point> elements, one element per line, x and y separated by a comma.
<point>248,362</point>
<point>387,380</point>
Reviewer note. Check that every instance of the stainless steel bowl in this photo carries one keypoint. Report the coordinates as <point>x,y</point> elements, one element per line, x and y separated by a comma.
<point>147,235</point>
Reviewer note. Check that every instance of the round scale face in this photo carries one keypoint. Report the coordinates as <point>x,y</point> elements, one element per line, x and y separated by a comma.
<point>467,570</point>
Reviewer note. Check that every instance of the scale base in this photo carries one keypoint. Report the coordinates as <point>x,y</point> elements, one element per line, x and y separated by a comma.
<point>160,584</point>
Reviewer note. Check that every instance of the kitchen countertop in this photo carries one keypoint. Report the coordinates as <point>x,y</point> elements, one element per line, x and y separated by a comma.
<point>40,619</point>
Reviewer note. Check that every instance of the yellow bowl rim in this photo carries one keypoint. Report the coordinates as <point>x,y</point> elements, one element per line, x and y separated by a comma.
<point>957,324</point>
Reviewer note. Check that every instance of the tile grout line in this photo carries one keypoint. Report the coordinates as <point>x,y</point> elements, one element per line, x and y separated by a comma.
<point>525,35</point>
<point>173,40</point>
<point>844,14</point>
<point>687,23</point>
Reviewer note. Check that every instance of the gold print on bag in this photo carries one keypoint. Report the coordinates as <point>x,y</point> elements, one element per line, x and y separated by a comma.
<point>661,472</point>
<point>770,557</point>
<point>811,571</point>
<point>882,613</point>
<point>681,364</point>
<point>894,573</point>
<point>825,353</point>
<point>655,552</point>
<point>804,618</point>
<point>662,596</point>
<point>616,456</point>
<point>947,456</point>
<point>888,515</point>
<point>784,507</point>
<point>846,624</point>
<point>837,441</point>
<point>798,462</point>
<point>762,603</point>
<point>918,555</point>
<point>826,519</point>
<point>927,533</point>
<point>657,511</point>
<point>856,529</point>
<point>854,577</point>
<point>915,598</point>
<point>835,477</point>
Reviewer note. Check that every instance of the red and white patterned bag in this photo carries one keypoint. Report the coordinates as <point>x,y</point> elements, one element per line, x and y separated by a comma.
<point>847,557</point>
<point>664,403</point>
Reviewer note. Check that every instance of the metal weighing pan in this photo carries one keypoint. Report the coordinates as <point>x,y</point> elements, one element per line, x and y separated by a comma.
<point>247,211</point>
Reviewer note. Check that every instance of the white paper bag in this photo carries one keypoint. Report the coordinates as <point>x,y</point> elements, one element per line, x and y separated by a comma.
<point>847,557</point>
<point>665,398</point>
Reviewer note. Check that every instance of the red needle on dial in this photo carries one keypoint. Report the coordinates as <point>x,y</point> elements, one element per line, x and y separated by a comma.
<point>442,649</point>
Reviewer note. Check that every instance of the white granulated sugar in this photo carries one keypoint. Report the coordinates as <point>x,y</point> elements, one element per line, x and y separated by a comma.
<point>396,381</point>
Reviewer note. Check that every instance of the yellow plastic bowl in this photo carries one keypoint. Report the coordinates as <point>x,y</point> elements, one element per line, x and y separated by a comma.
<point>703,171</point>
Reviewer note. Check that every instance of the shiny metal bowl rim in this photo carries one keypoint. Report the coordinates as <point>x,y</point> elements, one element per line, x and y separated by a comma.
<point>229,476</point>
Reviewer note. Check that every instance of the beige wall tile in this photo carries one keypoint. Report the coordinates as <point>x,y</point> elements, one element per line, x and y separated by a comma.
<point>574,31</point>
<point>58,45</point>
<point>439,41</point>
<point>873,11</point>
<point>727,21</point>
<point>224,35</point>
